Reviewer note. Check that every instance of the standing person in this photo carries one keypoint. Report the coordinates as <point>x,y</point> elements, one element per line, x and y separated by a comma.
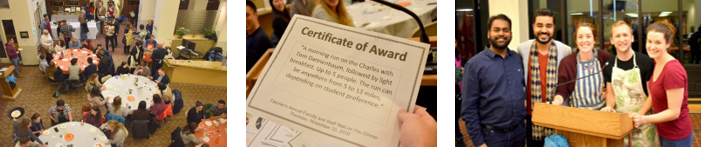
<point>46,24</point>
<point>333,11</point>
<point>668,91</point>
<point>157,57</point>
<point>100,13</point>
<point>694,43</point>
<point>109,35</point>
<point>111,11</point>
<point>627,77</point>
<point>586,63</point>
<point>281,19</point>
<point>135,56</point>
<point>13,54</point>
<point>67,31</point>
<point>83,26</point>
<point>257,42</point>
<point>21,129</point>
<point>540,59</point>
<point>88,12</point>
<point>60,113</point>
<point>142,34</point>
<point>302,7</point>
<point>127,40</point>
<point>150,26</point>
<point>493,97</point>
<point>115,24</point>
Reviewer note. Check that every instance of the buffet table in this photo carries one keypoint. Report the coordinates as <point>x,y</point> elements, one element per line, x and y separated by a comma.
<point>196,72</point>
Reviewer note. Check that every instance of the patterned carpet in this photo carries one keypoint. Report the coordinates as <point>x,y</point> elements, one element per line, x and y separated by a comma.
<point>36,98</point>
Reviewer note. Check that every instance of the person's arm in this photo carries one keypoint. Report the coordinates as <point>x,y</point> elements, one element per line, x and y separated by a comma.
<point>35,138</point>
<point>70,116</point>
<point>51,116</point>
<point>564,75</point>
<point>469,109</point>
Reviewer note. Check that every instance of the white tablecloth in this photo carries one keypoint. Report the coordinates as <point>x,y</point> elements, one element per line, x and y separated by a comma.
<point>92,30</point>
<point>83,136</point>
<point>390,21</point>
<point>67,17</point>
<point>119,86</point>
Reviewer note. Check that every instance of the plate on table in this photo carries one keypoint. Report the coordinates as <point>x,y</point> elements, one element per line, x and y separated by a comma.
<point>103,138</point>
<point>47,132</point>
<point>222,120</point>
<point>206,139</point>
<point>65,60</point>
<point>63,126</point>
<point>208,123</point>
<point>16,112</point>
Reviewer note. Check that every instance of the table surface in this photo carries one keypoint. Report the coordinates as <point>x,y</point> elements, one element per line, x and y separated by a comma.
<point>82,56</point>
<point>119,86</point>
<point>92,30</point>
<point>213,132</point>
<point>83,136</point>
<point>390,21</point>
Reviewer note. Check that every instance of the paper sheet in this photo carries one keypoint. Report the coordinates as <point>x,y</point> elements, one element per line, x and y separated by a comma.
<point>340,84</point>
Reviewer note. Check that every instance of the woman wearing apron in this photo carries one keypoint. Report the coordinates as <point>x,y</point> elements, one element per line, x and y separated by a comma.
<point>668,89</point>
<point>626,76</point>
<point>585,64</point>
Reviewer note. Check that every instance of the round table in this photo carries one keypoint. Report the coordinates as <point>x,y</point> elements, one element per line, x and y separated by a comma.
<point>84,135</point>
<point>120,85</point>
<point>390,21</point>
<point>217,135</point>
<point>82,56</point>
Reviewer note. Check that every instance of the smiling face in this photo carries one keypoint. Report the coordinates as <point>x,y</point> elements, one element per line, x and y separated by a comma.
<point>500,34</point>
<point>332,3</point>
<point>622,38</point>
<point>656,44</point>
<point>279,5</point>
<point>251,19</point>
<point>585,39</point>
<point>543,29</point>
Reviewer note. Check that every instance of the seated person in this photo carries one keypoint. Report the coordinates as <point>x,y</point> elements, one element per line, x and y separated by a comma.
<point>117,109</point>
<point>123,69</point>
<point>196,114</point>
<point>93,117</point>
<point>159,105</point>
<point>86,44</point>
<point>160,77</point>
<point>166,93</point>
<point>25,142</point>
<point>60,113</point>
<point>92,82</point>
<point>188,135</point>
<point>42,63</point>
<point>37,125</point>
<point>73,74</point>
<point>89,70</point>
<point>96,100</point>
<point>141,113</point>
<point>219,109</point>
<point>21,129</point>
<point>143,70</point>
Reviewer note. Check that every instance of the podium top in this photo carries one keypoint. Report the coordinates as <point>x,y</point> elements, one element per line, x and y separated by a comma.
<point>8,71</point>
<point>583,121</point>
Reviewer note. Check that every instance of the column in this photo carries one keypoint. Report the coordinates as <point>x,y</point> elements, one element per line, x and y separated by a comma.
<point>22,17</point>
<point>147,8</point>
<point>164,20</point>
<point>517,11</point>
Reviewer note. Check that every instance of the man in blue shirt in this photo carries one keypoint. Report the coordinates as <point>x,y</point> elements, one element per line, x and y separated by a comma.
<point>257,42</point>
<point>493,96</point>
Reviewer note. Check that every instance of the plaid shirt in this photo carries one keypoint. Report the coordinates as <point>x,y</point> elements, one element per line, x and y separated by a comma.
<point>54,111</point>
<point>67,30</point>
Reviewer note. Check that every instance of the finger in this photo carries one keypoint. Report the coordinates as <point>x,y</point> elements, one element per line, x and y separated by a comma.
<point>402,115</point>
<point>418,110</point>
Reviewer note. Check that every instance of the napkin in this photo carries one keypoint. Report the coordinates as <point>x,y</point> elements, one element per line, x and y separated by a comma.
<point>206,139</point>
<point>59,145</point>
<point>92,129</point>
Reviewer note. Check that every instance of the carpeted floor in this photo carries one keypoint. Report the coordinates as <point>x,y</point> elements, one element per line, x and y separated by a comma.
<point>37,90</point>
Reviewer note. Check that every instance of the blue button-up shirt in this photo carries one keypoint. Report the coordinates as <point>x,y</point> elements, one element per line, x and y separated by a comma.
<point>493,92</point>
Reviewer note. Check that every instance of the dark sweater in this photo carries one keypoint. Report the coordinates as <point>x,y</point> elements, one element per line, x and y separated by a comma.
<point>568,71</point>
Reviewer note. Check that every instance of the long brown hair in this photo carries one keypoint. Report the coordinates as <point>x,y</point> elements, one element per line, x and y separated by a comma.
<point>24,125</point>
<point>341,16</point>
<point>50,69</point>
<point>117,103</point>
<point>664,27</point>
<point>91,79</point>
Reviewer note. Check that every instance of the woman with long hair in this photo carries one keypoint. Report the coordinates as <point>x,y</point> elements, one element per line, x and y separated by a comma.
<point>586,92</point>
<point>50,70</point>
<point>141,113</point>
<point>117,133</point>
<point>93,117</point>
<point>667,90</point>
<point>281,19</point>
<point>127,40</point>
<point>37,124</point>
<point>22,130</point>
<point>116,108</point>
<point>60,46</point>
<point>123,68</point>
<point>97,101</point>
<point>135,56</point>
<point>333,11</point>
<point>93,81</point>
<point>188,135</point>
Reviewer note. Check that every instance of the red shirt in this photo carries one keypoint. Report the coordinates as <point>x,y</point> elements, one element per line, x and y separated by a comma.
<point>672,76</point>
<point>543,63</point>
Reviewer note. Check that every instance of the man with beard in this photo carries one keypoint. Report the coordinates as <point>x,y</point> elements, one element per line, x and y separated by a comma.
<point>626,76</point>
<point>493,95</point>
<point>540,58</point>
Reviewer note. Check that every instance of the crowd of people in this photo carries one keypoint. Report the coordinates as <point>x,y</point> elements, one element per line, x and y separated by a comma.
<point>111,117</point>
<point>651,88</point>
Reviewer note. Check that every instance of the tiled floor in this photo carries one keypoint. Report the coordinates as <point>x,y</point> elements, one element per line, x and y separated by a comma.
<point>36,98</point>
<point>694,117</point>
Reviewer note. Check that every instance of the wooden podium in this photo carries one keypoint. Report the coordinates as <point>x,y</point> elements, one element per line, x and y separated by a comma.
<point>9,94</point>
<point>583,127</point>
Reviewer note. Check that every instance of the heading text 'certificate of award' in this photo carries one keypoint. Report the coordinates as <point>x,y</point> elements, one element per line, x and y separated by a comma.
<point>339,83</point>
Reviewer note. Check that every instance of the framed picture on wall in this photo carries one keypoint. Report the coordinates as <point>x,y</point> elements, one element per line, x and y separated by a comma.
<point>24,34</point>
<point>72,3</point>
<point>56,3</point>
